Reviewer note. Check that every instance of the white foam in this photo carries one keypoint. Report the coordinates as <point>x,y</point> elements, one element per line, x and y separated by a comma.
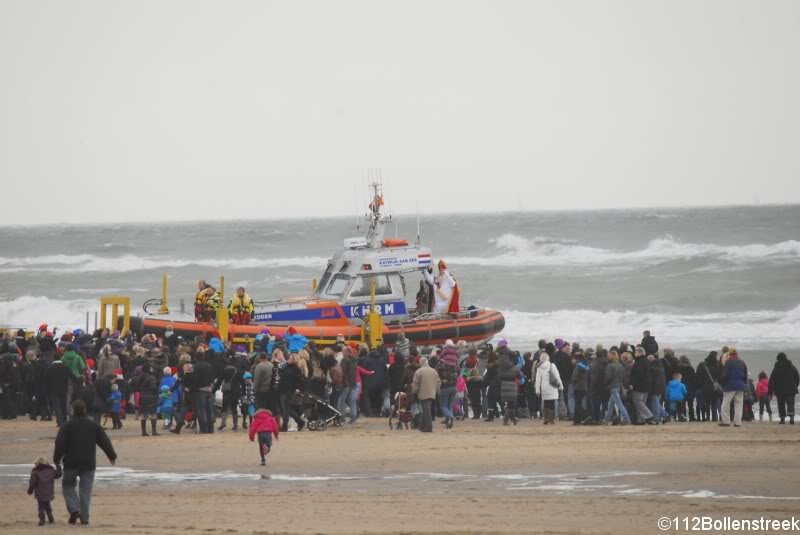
<point>513,250</point>
<point>757,329</point>
<point>120,264</point>
<point>29,311</point>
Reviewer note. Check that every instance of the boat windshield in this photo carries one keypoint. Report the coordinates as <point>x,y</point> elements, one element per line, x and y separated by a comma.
<point>362,287</point>
<point>338,284</point>
<point>326,276</point>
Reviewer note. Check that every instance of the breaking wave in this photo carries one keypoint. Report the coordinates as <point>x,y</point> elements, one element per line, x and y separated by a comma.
<point>91,263</point>
<point>29,311</point>
<point>514,250</point>
<point>757,329</point>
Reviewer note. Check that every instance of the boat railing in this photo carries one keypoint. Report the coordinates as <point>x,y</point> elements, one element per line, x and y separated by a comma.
<point>463,313</point>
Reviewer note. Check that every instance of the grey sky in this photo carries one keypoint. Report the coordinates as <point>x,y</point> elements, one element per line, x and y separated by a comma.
<point>185,110</point>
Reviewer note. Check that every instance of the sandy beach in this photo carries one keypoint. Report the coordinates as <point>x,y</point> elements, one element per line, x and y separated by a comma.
<point>475,478</point>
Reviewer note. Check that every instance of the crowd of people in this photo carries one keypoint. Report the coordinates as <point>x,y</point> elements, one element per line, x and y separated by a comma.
<point>181,381</point>
<point>107,375</point>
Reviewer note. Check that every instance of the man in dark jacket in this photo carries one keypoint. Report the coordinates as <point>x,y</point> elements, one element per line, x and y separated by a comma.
<point>203,384</point>
<point>76,445</point>
<point>290,381</point>
<point>734,382</point>
<point>57,380</point>
<point>657,388</point>
<point>375,384</point>
<point>640,384</point>
<point>783,383</point>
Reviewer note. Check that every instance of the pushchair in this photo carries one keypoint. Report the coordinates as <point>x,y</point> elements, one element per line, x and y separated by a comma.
<point>317,412</point>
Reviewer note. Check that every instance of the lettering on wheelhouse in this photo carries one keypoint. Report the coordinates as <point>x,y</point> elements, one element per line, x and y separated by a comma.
<point>350,311</point>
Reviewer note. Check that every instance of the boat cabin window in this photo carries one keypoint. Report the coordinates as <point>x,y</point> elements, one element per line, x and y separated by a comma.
<point>325,277</point>
<point>363,286</point>
<point>338,284</point>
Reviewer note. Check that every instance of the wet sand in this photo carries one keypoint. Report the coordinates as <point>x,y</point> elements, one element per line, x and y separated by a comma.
<point>475,478</point>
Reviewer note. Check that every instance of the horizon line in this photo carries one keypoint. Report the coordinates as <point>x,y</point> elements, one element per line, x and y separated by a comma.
<point>410,214</point>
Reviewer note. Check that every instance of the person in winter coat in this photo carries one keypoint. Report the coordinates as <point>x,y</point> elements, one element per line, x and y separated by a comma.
<point>615,382</point>
<point>57,379</point>
<point>734,382</point>
<point>10,382</point>
<point>291,380</point>
<point>708,397</point>
<point>76,445</point>
<point>424,388</point>
<point>107,362</point>
<point>230,382</point>
<point>689,380</point>
<point>649,344</point>
<point>657,388</point>
<point>448,374</point>
<point>262,380</point>
<point>580,386</point>
<point>491,380</point>
<point>42,486</point>
<point>115,406</point>
<point>597,385</point>
<point>147,386</point>
<point>763,397</point>
<point>348,395</point>
<point>510,376</point>
<point>295,340</point>
<point>783,383</point>
<point>640,385</point>
<point>548,386</point>
<point>265,426</point>
<point>41,405</point>
<point>375,384</point>
<point>675,394</point>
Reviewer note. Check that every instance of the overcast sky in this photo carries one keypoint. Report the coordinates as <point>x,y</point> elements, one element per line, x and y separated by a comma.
<point>183,110</point>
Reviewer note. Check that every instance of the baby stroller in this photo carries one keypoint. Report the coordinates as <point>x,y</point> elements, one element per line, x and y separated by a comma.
<point>317,412</point>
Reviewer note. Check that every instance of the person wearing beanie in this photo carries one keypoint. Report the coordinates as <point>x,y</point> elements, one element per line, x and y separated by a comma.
<point>247,398</point>
<point>783,383</point>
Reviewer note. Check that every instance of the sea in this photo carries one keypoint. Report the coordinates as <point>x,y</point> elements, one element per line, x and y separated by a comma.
<point>697,278</point>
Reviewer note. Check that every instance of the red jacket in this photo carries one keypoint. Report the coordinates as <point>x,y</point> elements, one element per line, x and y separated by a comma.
<point>762,388</point>
<point>263,422</point>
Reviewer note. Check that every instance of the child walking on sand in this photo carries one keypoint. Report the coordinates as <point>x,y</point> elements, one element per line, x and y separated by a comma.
<point>265,426</point>
<point>247,399</point>
<point>41,485</point>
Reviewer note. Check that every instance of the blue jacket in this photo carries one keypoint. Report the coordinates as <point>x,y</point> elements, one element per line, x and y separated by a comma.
<point>734,375</point>
<point>115,401</point>
<point>676,390</point>
<point>164,401</point>
<point>169,381</point>
<point>296,342</point>
<point>216,345</point>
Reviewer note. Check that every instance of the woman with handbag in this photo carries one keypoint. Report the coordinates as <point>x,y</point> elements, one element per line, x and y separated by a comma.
<point>548,386</point>
<point>708,374</point>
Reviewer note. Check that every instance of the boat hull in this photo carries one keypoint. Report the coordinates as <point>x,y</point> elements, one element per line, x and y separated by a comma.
<point>479,326</point>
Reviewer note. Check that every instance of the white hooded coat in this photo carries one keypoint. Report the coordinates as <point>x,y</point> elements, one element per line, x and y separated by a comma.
<point>542,381</point>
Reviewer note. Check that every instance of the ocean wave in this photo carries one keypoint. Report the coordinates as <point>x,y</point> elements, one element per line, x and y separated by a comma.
<point>30,311</point>
<point>513,250</point>
<point>91,263</point>
<point>757,329</point>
